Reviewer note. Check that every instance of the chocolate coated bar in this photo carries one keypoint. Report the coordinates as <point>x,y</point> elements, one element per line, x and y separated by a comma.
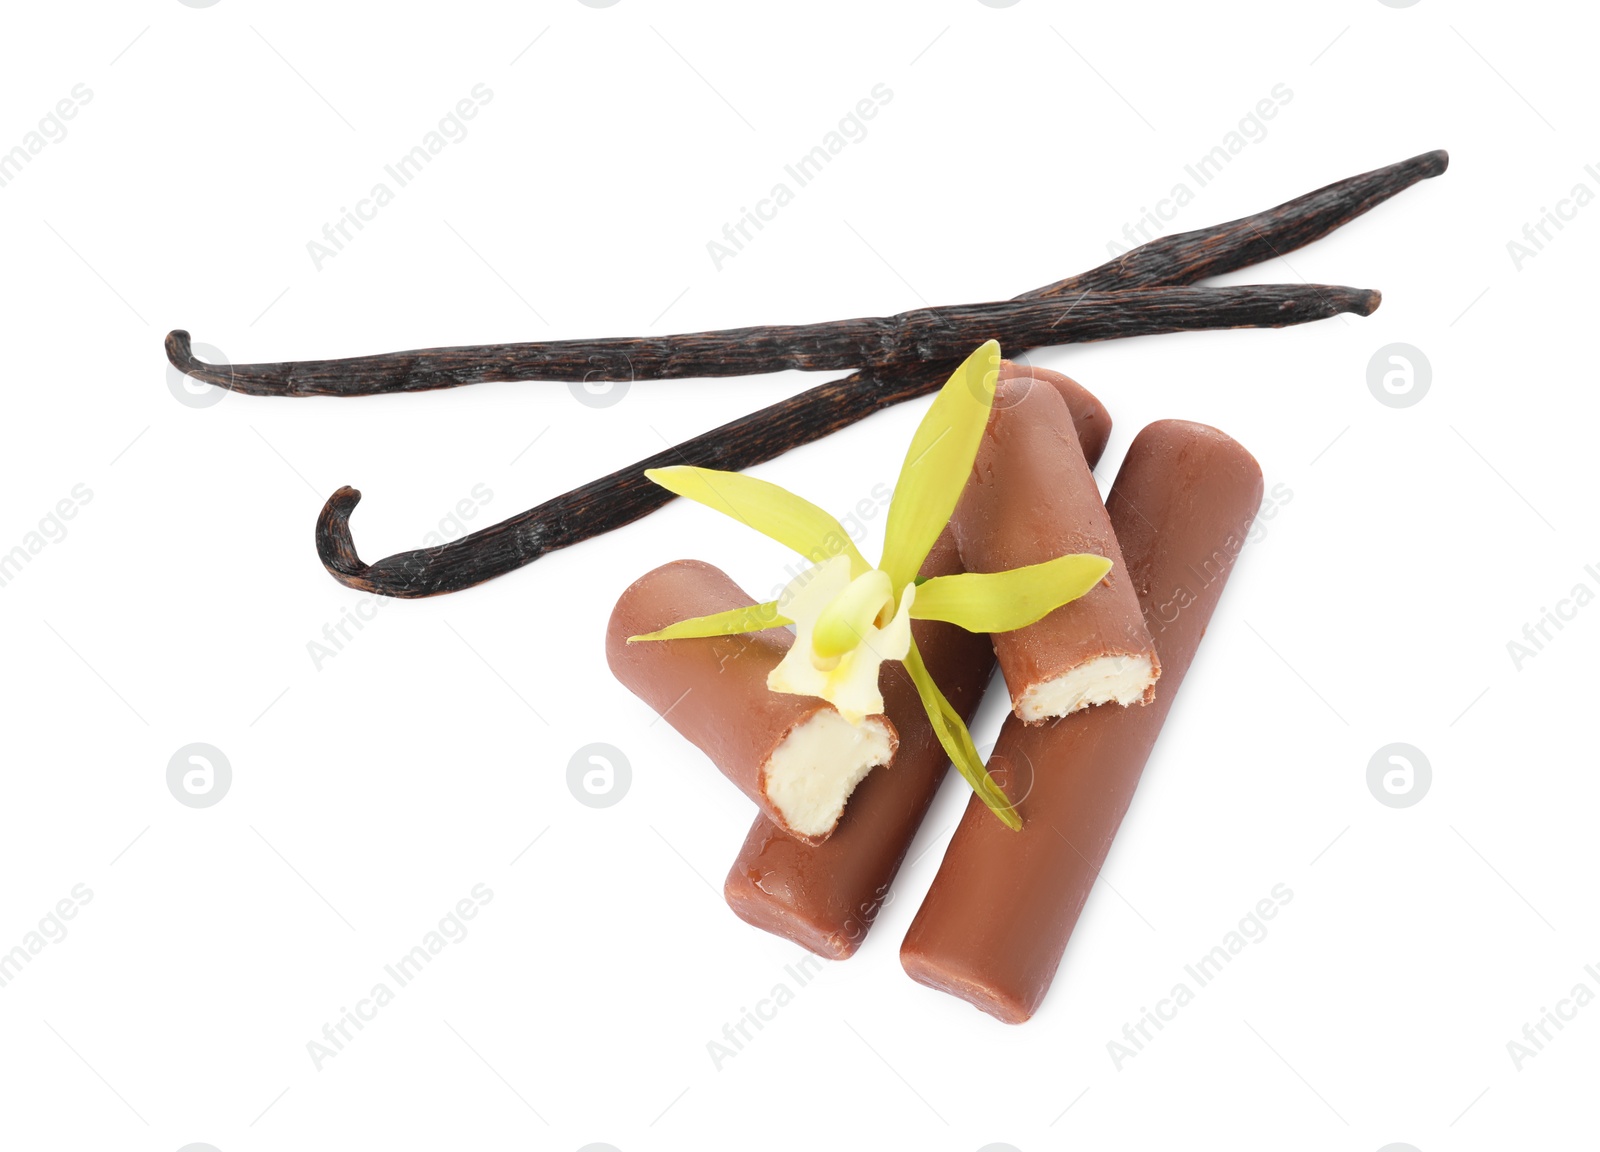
<point>795,756</point>
<point>997,918</point>
<point>1032,498</point>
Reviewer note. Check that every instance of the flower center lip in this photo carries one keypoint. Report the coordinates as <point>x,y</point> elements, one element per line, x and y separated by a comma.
<point>844,623</point>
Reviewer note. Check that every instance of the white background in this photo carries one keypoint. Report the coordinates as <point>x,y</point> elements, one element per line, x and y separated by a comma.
<point>372,793</point>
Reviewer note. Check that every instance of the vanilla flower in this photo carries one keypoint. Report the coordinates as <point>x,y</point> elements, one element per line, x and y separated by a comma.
<point>849,615</point>
<point>844,629</point>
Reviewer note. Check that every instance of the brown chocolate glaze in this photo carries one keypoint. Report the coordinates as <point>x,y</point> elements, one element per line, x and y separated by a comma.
<point>1090,420</point>
<point>1032,497</point>
<point>713,690</point>
<point>997,918</point>
<point>825,898</point>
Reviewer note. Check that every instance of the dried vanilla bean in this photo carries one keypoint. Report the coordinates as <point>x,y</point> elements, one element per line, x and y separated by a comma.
<point>625,495</point>
<point>877,342</point>
<point>925,334</point>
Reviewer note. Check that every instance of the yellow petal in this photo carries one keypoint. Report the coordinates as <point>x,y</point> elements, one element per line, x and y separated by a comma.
<point>1002,601</point>
<point>937,464</point>
<point>957,741</point>
<point>735,620</point>
<point>770,510</point>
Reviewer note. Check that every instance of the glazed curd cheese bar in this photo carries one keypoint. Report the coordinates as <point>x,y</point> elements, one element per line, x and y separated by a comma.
<point>795,756</point>
<point>1031,498</point>
<point>996,920</point>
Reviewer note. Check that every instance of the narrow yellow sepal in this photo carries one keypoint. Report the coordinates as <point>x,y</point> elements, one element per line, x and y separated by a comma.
<point>753,618</point>
<point>1003,601</point>
<point>937,464</point>
<point>772,511</point>
<point>957,741</point>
